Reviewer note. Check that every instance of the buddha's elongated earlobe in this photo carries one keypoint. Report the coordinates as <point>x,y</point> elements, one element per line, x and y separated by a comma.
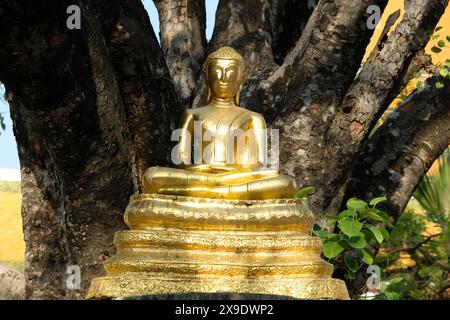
<point>208,100</point>
<point>236,98</point>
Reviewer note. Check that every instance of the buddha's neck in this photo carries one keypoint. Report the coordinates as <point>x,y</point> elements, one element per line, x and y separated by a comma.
<point>222,103</point>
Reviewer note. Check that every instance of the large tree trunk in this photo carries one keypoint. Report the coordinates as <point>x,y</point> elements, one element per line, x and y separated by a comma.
<point>92,108</point>
<point>78,134</point>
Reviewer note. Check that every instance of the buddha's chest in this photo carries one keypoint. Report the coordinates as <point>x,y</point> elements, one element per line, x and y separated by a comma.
<point>224,122</point>
<point>225,137</point>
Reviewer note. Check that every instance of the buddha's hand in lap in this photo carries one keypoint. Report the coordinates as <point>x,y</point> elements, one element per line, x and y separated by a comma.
<point>265,184</point>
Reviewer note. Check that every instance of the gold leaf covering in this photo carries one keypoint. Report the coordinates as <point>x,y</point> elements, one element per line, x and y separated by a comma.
<point>183,244</point>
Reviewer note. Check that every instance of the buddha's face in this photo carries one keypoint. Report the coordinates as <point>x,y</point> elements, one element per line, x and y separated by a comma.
<point>223,78</point>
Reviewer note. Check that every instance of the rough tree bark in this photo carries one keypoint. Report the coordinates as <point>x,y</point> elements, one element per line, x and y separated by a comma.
<point>92,108</point>
<point>183,41</point>
<point>77,132</point>
<point>375,88</point>
<point>399,153</point>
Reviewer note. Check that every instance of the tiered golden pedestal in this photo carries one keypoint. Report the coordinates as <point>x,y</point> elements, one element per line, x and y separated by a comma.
<point>187,244</point>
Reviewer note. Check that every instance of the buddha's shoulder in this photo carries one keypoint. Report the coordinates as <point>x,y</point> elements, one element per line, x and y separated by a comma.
<point>251,114</point>
<point>199,111</point>
<point>247,113</point>
<point>196,111</point>
<point>255,114</point>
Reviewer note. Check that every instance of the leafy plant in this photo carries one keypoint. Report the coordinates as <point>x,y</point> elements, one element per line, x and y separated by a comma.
<point>304,192</point>
<point>433,193</point>
<point>418,251</point>
<point>358,228</point>
<point>443,70</point>
<point>414,263</point>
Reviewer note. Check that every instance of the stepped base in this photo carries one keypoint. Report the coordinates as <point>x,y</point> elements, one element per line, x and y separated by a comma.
<point>158,283</point>
<point>181,245</point>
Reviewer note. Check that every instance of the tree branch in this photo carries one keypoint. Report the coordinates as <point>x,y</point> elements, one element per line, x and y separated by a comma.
<point>433,260</point>
<point>91,109</point>
<point>402,150</point>
<point>302,95</point>
<point>144,82</point>
<point>375,88</point>
<point>413,247</point>
<point>247,26</point>
<point>183,40</point>
<point>291,19</point>
<point>72,140</point>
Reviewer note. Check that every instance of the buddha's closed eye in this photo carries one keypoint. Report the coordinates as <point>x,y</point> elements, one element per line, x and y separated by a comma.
<point>229,74</point>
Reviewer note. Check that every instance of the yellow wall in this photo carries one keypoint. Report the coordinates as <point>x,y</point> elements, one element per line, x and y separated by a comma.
<point>437,58</point>
<point>394,5</point>
<point>12,245</point>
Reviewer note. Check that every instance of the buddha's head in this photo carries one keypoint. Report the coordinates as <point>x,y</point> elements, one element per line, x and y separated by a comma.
<point>224,74</point>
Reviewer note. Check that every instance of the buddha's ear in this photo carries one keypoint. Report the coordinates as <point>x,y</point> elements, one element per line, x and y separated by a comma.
<point>237,96</point>
<point>209,98</point>
<point>205,76</point>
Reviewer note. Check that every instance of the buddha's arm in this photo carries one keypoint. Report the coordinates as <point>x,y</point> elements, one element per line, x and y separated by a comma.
<point>187,131</point>
<point>258,125</point>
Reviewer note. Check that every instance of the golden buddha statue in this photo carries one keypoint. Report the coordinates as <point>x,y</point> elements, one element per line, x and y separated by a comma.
<point>221,222</point>
<point>226,172</point>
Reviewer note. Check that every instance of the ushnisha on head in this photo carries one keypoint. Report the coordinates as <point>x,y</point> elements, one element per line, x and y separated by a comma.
<point>224,72</point>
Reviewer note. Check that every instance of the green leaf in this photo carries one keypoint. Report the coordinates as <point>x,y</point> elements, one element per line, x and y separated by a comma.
<point>356,204</point>
<point>448,38</point>
<point>349,275</point>
<point>392,295</point>
<point>417,75</point>
<point>368,236</point>
<point>385,233</point>
<point>441,43</point>
<point>317,230</point>
<point>395,280</point>
<point>351,263</point>
<point>346,213</point>
<point>435,36</point>
<point>438,28</point>
<point>357,242</point>
<point>349,227</point>
<point>372,215</point>
<point>304,192</point>
<point>447,63</point>
<point>443,72</point>
<point>385,216</point>
<point>332,249</point>
<point>359,234</point>
<point>365,256</point>
<point>378,200</point>
<point>331,219</point>
<point>332,236</point>
<point>383,286</point>
<point>344,243</point>
<point>436,49</point>
<point>377,234</point>
<point>420,85</point>
<point>439,85</point>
